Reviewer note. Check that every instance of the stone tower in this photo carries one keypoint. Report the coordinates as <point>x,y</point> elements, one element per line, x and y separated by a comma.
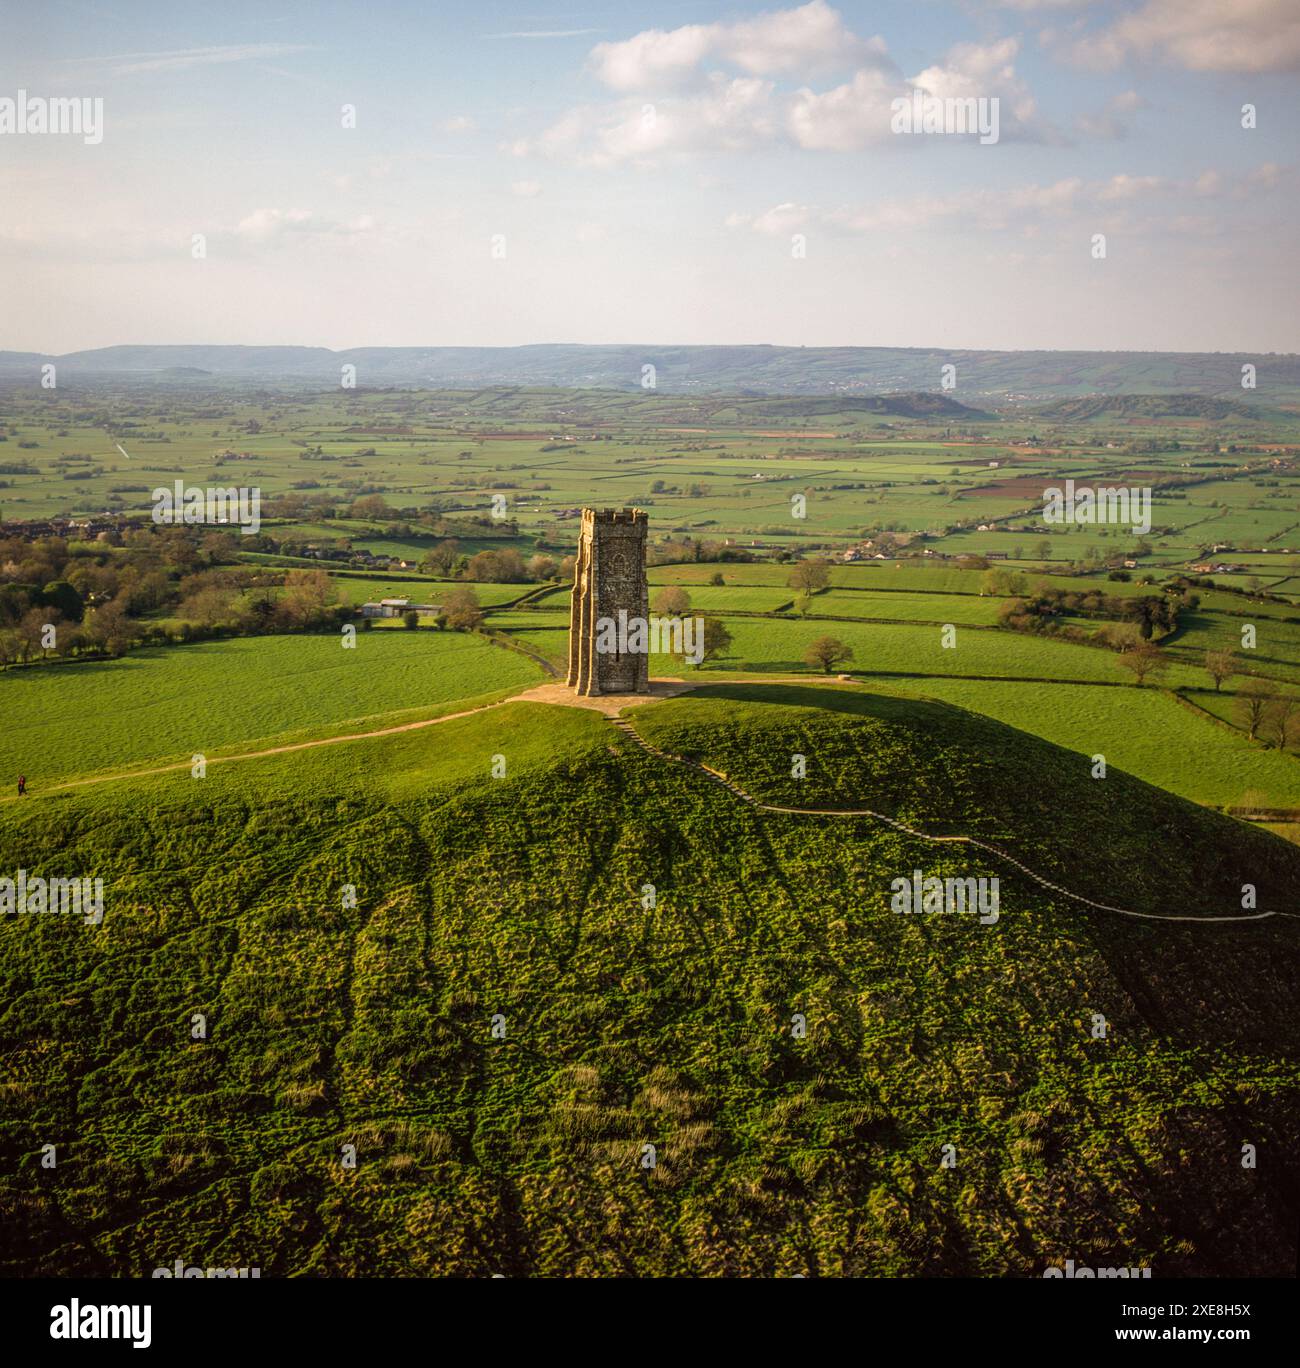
<point>608,584</point>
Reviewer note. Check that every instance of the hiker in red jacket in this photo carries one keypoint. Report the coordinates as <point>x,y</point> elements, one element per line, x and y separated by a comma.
<point>22,784</point>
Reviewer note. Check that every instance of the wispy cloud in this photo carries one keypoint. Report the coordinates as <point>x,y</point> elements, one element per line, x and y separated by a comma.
<point>546,33</point>
<point>183,59</point>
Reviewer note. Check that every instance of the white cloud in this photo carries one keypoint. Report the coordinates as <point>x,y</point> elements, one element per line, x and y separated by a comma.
<point>722,113</point>
<point>1125,187</point>
<point>1201,35</point>
<point>459,123</point>
<point>1208,183</point>
<point>1020,208</point>
<point>850,116</point>
<point>729,115</point>
<point>974,70</point>
<point>857,114</point>
<point>1113,120</point>
<point>777,221</point>
<point>269,227</point>
<point>1138,204</point>
<point>806,40</point>
<point>653,59</point>
<point>526,189</point>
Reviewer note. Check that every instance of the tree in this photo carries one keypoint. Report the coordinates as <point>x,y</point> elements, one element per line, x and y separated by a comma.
<point>810,575</point>
<point>210,607</point>
<point>410,619</point>
<point>109,628</point>
<point>1146,658</point>
<point>542,567</point>
<point>31,631</point>
<point>827,652</point>
<point>1252,703</point>
<point>505,566</point>
<point>443,556</point>
<point>1220,665</point>
<point>1281,721</point>
<point>61,595</point>
<point>672,602</point>
<point>461,609</point>
<point>369,505</point>
<point>716,640</point>
<point>307,593</point>
<point>996,582</point>
<point>261,608</point>
<point>716,578</point>
<point>803,604</point>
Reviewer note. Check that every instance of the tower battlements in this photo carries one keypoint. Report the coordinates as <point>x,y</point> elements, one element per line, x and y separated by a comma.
<point>614,517</point>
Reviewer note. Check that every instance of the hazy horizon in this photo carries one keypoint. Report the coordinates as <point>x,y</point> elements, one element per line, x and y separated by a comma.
<point>641,343</point>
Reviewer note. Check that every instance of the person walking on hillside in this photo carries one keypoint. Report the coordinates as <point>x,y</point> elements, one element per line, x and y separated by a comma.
<point>22,784</point>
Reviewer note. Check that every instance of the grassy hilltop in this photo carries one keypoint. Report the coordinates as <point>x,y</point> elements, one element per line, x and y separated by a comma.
<point>628,1025</point>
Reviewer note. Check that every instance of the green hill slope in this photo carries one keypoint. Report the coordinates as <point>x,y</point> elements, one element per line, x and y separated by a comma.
<point>1149,406</point>
<point>524,899</point>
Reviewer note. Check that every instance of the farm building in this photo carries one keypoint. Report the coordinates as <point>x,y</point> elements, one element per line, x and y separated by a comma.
<point>395,607</point>
<point>385,608</point>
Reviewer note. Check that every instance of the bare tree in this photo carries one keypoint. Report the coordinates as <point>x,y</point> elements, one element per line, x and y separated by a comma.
<point>1253,699</point>
<point>1280,723</point>
<point>1220,665</point>
<point>1143,660</point>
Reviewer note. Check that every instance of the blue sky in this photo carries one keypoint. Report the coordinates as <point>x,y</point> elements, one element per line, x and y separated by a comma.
<point>682,172</point>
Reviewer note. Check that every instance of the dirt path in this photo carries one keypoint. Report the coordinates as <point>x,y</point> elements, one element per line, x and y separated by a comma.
<point>270,750</point>
<point>556,694</point>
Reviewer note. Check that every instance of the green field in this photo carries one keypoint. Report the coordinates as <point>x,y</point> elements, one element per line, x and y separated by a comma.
<point>166,705</point>
<point>1145,732</point>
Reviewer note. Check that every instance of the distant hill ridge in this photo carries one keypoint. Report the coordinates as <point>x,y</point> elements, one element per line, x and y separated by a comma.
<point>1148,406</point>
<point>981,377</point>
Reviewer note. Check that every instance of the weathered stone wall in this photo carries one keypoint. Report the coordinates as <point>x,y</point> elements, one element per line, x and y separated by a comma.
<point>608,576</point>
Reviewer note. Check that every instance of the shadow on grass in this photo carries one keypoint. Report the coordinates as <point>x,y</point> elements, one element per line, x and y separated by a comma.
<point>854,701</point>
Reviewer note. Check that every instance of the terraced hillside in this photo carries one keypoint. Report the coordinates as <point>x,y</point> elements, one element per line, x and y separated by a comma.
<point>508,1016</point>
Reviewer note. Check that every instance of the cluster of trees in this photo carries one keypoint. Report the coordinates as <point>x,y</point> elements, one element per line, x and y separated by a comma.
<point>1265,710</point>
<point>57,597</point>
<point>687,550</point>
<point>57,622</point>
<point>1149,616</point>
<point>503,565</point>
<point>298,601</point>
<point>64,599</point>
